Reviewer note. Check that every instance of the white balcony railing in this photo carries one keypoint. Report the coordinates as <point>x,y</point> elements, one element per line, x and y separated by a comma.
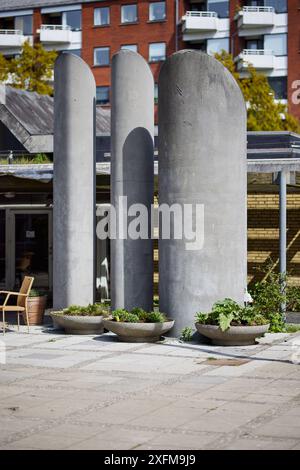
<point>261,59</point>
<point>255,17</point>
<point>197,21</point>
<point>257,52</point>
<point>55,33</point>
<point>11,38</point>
<point>259,9</point>
<point>11,31</point>
<point>55,27</point>
<point>202,14</point>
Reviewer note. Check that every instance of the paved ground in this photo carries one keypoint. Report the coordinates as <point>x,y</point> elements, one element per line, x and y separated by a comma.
<point>86,392</point>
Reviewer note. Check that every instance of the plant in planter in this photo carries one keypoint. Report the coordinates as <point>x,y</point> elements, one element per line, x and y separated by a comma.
<point>138,326</point>
<point>230,324</point>
<point>36,304</point>
<point>78,320</point>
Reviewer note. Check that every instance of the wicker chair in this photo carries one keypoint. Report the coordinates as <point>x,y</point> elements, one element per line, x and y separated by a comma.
<point>21,304</point>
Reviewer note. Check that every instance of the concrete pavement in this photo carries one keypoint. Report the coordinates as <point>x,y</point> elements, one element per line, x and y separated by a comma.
<point>93,392</point>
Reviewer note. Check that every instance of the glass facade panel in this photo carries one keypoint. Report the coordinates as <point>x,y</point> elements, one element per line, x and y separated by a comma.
<point>129,14</point>
<point>276,43</point>
<point>101,56</point>
<point>157,11</point>
<point>101,16</point>
<point>219,6</point>
<point>157,52</point>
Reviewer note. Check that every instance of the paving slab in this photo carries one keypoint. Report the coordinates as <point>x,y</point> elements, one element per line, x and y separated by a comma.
<point>68,392</point>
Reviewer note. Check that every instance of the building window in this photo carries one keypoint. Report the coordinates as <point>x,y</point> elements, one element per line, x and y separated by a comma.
<point>215,46</point>
<point>72,51</point>
<point>24,24</point>
<point>101,56</point>
<point>157,51</point>
<point>72,19</point>
<point>157,11</point>
<point>279,86</point>
<point>219,6</point>
<point>101,16</point>
<point>102,95</point>
<point>280,6</point>
<point>155,93</point>
<point>130,47</point>
<point>129,14</point>
<point>277,43</point>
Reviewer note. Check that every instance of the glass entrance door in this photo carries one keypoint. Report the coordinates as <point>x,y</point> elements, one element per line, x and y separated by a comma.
<point>32,248</point>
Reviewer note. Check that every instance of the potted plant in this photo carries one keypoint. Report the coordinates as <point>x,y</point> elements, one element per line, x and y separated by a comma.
<point>229,324</point>
<point>36,304</point>
<point>137,325</point>
<point>77,320</point>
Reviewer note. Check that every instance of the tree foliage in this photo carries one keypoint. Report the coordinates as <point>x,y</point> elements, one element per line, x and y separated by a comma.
<point>263,112</point>
<point>32,70</point>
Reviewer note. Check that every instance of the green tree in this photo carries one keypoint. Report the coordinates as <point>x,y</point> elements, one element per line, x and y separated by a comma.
<point>263,113</point>
<point>32,70</point>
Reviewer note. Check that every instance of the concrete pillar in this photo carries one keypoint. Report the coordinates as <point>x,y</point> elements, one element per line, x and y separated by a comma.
<point>74,208</point>
<point>202,160</point>
<point>132,130</point>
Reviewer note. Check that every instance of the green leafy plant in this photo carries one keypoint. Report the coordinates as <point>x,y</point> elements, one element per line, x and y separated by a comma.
<point>36,293</point>
<point>227,312</point>
<point>137,315</point>
<point>89,310</point>
<point>293,298</point>
<point>186,334</point>
<point>268,298</point>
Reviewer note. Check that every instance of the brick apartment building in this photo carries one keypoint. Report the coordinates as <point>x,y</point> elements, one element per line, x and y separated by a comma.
<point>263,32</point>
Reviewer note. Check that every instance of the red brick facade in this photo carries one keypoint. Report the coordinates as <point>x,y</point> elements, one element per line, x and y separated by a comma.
<point>116,34</point>
<point>294,57</point>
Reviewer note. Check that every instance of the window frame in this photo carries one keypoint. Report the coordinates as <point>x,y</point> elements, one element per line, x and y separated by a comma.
<point>101,65</point>
<point>137,13</point>
<point>108,89</point>
<point>102,25</point>
<point>286,43</point>
<point>151,61</point>
<point>124,47</point>
<point>149,10</point>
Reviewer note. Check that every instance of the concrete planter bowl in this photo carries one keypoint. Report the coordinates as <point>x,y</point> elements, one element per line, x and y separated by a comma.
<point>138,332</point>
<point>234,336</point>
<point>79,324</point>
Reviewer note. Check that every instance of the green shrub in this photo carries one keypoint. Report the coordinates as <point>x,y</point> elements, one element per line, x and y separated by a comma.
<point>89,310</point>
<point>293,298</point>
<point>36,293</point>
<point>137,315</point>
<point>186,334</point>
<point>227,312</point>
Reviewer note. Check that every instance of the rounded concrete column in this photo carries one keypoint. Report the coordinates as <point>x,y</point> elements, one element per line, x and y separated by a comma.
<point>74,183</point>
<point>202,160</point>
<point>132,130</point>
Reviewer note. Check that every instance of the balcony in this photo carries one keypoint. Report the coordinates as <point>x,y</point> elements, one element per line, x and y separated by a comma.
<point>261,59</point>
<point>195,21</point>
<point>11,38</point>
<point>255,17</point>
<point>55,34</point>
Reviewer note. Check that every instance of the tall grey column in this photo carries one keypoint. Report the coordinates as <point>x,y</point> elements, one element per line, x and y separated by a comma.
<point>132,130</point>
<point>202,160</point>
<point>74,208</point>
